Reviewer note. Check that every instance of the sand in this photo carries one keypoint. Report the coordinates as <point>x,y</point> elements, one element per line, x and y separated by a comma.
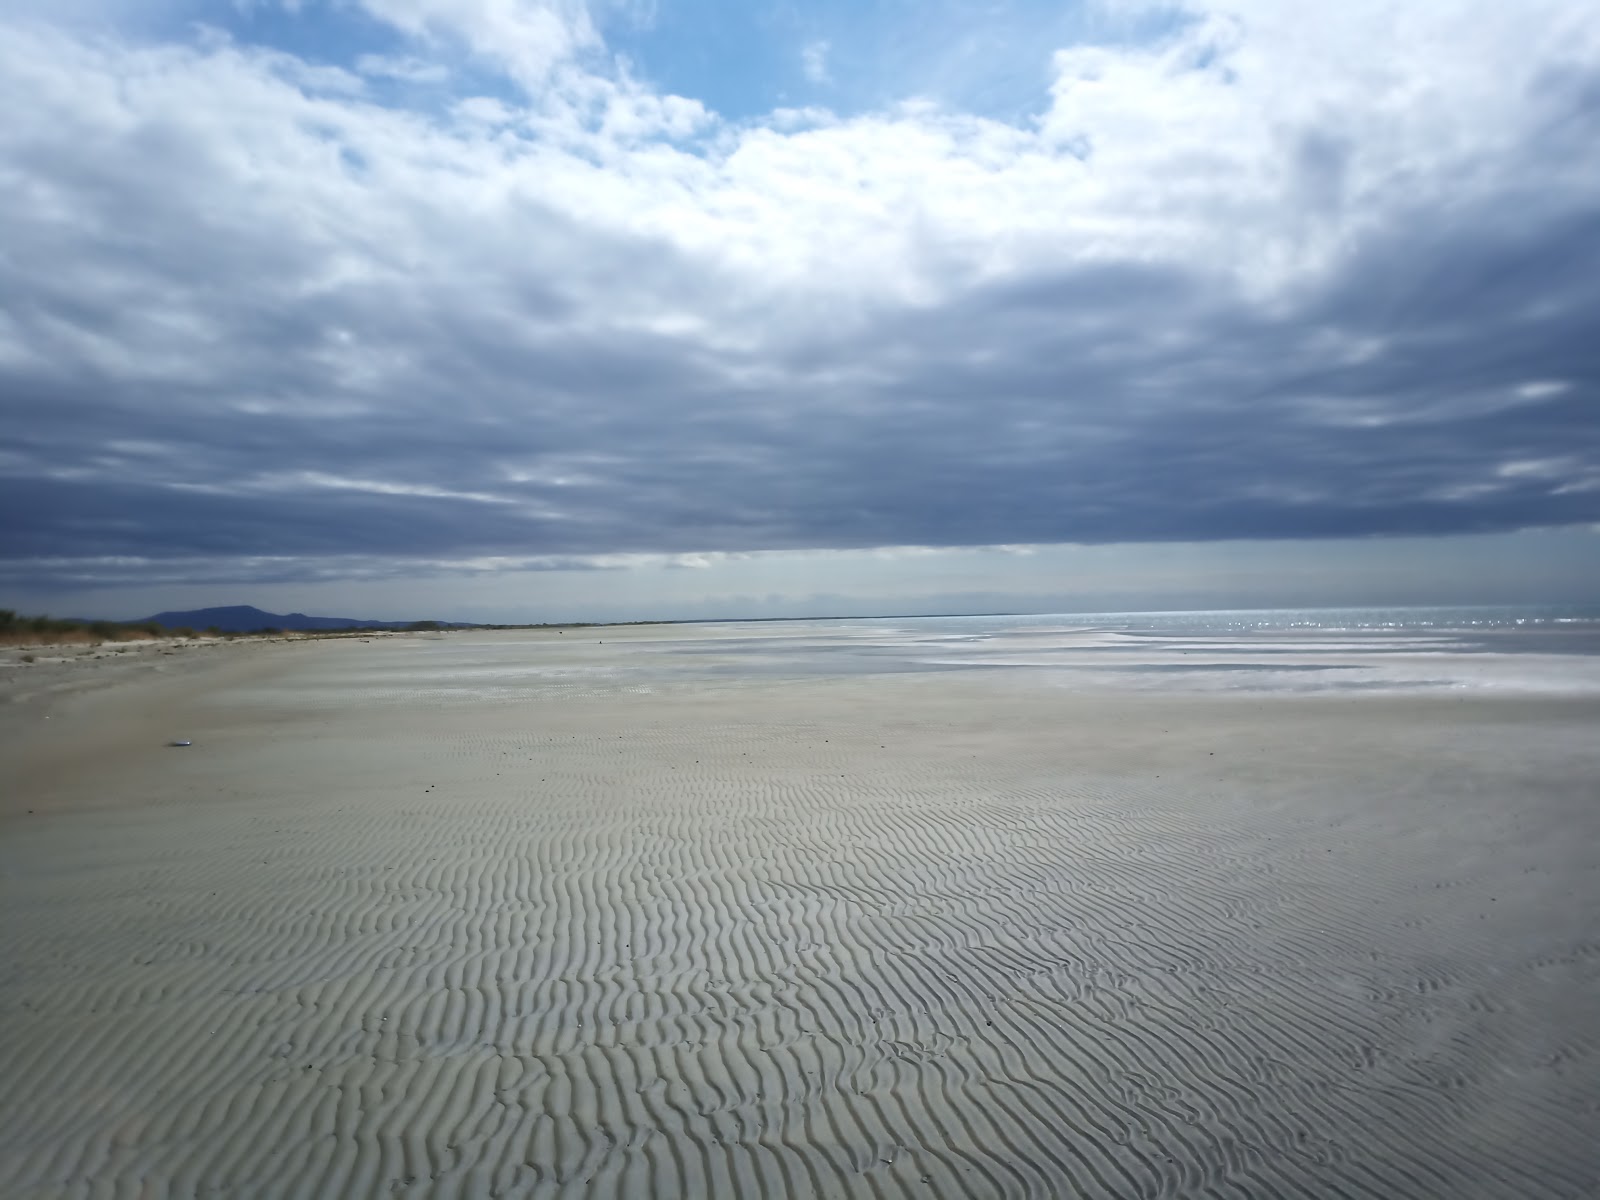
<point>508,914</point>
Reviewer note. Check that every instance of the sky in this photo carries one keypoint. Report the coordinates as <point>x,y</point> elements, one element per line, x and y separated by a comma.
<point>556,310</point>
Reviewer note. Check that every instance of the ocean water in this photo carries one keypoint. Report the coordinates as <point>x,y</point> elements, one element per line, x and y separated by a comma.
<point>1500,649</point>
<point>1436,651</point>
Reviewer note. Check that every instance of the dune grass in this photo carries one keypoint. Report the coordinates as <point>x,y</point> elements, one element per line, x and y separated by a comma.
<point>19,630</point>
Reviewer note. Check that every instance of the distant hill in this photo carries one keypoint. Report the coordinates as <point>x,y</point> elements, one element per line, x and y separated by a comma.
<point>246,618</point>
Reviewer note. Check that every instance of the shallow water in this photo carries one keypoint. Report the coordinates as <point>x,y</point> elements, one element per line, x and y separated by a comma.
<point>1460,650</point>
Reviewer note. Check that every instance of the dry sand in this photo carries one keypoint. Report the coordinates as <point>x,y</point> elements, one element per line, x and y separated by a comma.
<point>487,915</point>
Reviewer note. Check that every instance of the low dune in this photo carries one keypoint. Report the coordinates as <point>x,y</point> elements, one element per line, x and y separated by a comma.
<point>516,914</point>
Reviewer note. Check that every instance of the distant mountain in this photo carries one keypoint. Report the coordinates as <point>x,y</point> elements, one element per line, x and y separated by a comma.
<point>245,618</point>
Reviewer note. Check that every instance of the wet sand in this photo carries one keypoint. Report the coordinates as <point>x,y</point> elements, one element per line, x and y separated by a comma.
<point>505,914</point>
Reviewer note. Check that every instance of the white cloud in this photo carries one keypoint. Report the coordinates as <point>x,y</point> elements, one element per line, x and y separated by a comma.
<point>405,68</point>
<point>379,487</point>
<point>1201,151</point>
<point>1541,388</point>
<point>527,38</point>
<point>814,61</point>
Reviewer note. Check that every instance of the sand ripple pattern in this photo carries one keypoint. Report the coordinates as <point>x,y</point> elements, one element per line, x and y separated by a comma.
<point>619,948</point>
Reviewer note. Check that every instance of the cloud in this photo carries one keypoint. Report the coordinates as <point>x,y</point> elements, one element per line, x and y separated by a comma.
<point>1324,276</point>
<point>814,61</point>
<point>405,68</point>
<point>525,38</point>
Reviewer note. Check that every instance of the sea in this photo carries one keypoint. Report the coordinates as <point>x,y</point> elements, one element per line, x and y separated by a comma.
<point>1465,649</point>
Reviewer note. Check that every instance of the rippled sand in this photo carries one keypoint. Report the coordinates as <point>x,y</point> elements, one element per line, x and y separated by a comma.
<point>511,915</point>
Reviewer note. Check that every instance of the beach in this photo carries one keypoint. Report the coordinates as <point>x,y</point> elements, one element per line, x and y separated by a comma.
<point>673,911</point>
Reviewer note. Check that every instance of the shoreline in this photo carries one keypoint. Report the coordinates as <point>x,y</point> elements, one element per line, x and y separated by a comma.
<point>33,675</point>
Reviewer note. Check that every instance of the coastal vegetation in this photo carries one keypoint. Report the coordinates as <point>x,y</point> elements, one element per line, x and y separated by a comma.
<point>17,629</point>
